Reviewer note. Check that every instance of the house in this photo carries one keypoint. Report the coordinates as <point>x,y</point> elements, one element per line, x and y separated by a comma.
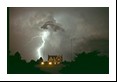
<point>55,59</point>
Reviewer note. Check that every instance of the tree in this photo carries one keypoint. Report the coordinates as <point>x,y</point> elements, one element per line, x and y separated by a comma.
<point>87,63</point>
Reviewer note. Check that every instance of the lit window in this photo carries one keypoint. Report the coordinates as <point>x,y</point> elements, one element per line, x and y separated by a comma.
<point>55,63</point>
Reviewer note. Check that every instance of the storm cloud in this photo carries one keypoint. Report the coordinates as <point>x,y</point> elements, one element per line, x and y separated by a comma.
<point>85,29</point>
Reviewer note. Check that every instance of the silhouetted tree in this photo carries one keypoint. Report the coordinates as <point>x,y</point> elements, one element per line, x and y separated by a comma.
<point>83,63</point>
<point>17,66</point>
<point>87,63</point>
<point>39,60</point>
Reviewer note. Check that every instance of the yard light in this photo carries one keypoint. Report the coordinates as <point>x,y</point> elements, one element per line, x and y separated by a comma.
<point>50,63</point>
<point>42,63</point>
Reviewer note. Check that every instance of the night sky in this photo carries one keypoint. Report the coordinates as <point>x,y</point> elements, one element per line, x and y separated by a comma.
<point>85,29</point>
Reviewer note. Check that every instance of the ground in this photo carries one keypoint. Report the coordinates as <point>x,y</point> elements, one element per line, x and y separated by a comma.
<point>51,69</point>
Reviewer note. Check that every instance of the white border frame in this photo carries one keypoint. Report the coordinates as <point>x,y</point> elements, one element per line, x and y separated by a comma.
<point>58,3</point>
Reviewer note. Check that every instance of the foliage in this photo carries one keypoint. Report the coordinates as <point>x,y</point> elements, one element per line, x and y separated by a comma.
<point>17,66</point>
<point>87,63</point>
<point>83,63</point>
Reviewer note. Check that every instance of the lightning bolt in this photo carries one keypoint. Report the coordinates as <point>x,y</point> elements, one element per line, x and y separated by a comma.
<point>44,36</point>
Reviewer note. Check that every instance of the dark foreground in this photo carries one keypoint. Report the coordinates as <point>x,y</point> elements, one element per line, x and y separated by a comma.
<point>83,63</point>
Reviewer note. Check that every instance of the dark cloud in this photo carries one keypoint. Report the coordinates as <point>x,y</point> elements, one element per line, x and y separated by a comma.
<point>53,25</point>
<point>85,28</point>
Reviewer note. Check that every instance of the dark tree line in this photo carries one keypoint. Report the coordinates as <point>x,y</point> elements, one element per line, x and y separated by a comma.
<point>83,63</point>
<point>15,65</point>
<point>87,63</point>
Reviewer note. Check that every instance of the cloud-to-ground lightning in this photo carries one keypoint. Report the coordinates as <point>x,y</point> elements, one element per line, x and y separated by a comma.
<point>44,37</point>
